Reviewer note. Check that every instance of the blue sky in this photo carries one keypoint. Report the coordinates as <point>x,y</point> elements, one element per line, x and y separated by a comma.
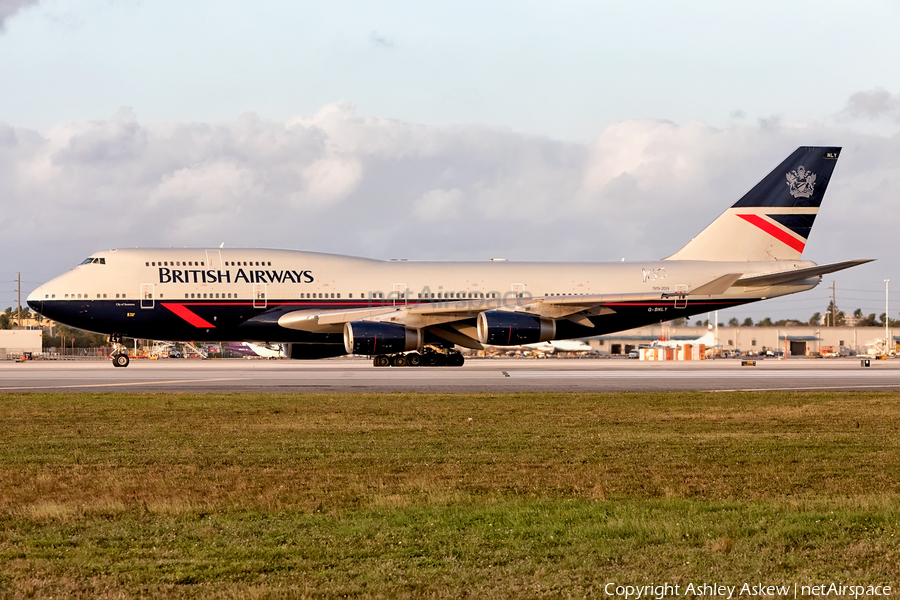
<point>554,131</point>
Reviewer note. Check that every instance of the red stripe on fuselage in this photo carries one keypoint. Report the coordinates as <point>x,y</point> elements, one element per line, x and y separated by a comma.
<point>191,317</point>
<point>776,232</point>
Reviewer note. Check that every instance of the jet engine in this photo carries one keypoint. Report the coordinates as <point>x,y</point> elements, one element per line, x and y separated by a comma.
<point>366,337</point>
<point>505,328</point>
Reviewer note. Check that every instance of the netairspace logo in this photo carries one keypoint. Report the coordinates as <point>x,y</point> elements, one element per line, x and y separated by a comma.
<point>715,590</point>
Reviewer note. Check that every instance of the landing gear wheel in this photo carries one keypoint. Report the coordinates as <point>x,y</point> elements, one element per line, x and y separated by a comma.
<point>399,360</point>
<point>119,353</point>
<point>381,361</point>
<point>455,359</point>
<point>414,359</point>
<point>432,359</point>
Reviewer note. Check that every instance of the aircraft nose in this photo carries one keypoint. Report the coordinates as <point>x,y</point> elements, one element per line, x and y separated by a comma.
<point>35,298</point>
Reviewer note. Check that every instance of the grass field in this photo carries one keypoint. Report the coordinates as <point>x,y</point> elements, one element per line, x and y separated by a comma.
<point>478,495</point>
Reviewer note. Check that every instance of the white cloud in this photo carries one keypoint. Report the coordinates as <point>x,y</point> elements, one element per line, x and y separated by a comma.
<point>341,182</point>
<point>438,205</point>
<point>10,7</point>
<point>873,104</point>
<point>330,179</point>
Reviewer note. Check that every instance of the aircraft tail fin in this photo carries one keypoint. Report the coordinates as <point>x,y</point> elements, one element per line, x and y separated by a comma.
<point>773,220</point>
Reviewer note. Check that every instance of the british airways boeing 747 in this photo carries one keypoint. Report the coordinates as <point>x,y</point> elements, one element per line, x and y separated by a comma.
<point>416,313</point>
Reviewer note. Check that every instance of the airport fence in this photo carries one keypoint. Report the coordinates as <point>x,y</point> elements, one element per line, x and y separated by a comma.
<point>68,354</point>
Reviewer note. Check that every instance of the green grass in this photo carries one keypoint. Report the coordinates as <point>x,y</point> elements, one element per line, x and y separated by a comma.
<point>480,495</point>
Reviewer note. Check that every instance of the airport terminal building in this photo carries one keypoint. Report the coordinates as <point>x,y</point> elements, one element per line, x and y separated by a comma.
<point>792,341</point>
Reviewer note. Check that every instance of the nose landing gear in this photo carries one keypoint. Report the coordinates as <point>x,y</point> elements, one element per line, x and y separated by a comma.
<point>119,353</point>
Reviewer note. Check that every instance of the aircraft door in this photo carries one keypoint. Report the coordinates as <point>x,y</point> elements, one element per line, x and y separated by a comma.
<point>213,259</point>
<point>259,295</point>
<point>681,298</point>
<point>399,294</point>
<point>147,299</point>
<point>518,290</point>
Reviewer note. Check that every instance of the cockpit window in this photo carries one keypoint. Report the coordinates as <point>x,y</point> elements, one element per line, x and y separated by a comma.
<point>95,261</point>
<point>87,261</point>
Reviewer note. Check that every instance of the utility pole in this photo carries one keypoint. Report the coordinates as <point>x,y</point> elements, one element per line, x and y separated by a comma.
<point>833,306</point>
<point>887,319</point>
<point>19,297</point>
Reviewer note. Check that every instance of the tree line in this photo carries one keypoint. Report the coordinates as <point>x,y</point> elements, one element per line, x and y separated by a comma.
<point>63,335</point>
<point>831,318</point>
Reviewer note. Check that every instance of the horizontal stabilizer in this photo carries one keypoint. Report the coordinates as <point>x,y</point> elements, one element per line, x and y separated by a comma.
<point>783,277</point>
<point>716,286</point>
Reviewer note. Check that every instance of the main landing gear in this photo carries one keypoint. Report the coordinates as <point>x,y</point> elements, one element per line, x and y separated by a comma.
<point>429,357</point>
<point>119,354</point>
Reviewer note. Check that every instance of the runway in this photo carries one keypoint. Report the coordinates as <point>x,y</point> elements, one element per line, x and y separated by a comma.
<point>478,375</point>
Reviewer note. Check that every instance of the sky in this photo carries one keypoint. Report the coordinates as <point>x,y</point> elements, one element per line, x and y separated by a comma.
<point>560,131</point>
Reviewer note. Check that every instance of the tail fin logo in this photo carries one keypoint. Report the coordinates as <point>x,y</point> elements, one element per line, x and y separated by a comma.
<point>801,182</point>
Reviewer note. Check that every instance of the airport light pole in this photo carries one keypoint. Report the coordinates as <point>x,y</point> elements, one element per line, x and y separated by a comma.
<point>887,318</point>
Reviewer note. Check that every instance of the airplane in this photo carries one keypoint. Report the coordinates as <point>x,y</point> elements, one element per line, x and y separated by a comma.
<point>408,313</point>
<point>560,347</point>
<point>251,350</point>
<point>708,339</point>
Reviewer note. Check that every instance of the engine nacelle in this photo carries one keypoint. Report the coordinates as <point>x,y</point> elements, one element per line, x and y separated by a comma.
<point>367,337</point>
<point>505,328</point>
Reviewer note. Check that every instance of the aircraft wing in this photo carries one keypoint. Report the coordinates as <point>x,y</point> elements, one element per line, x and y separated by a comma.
<point>443,318</point>
<point>453,319</point>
